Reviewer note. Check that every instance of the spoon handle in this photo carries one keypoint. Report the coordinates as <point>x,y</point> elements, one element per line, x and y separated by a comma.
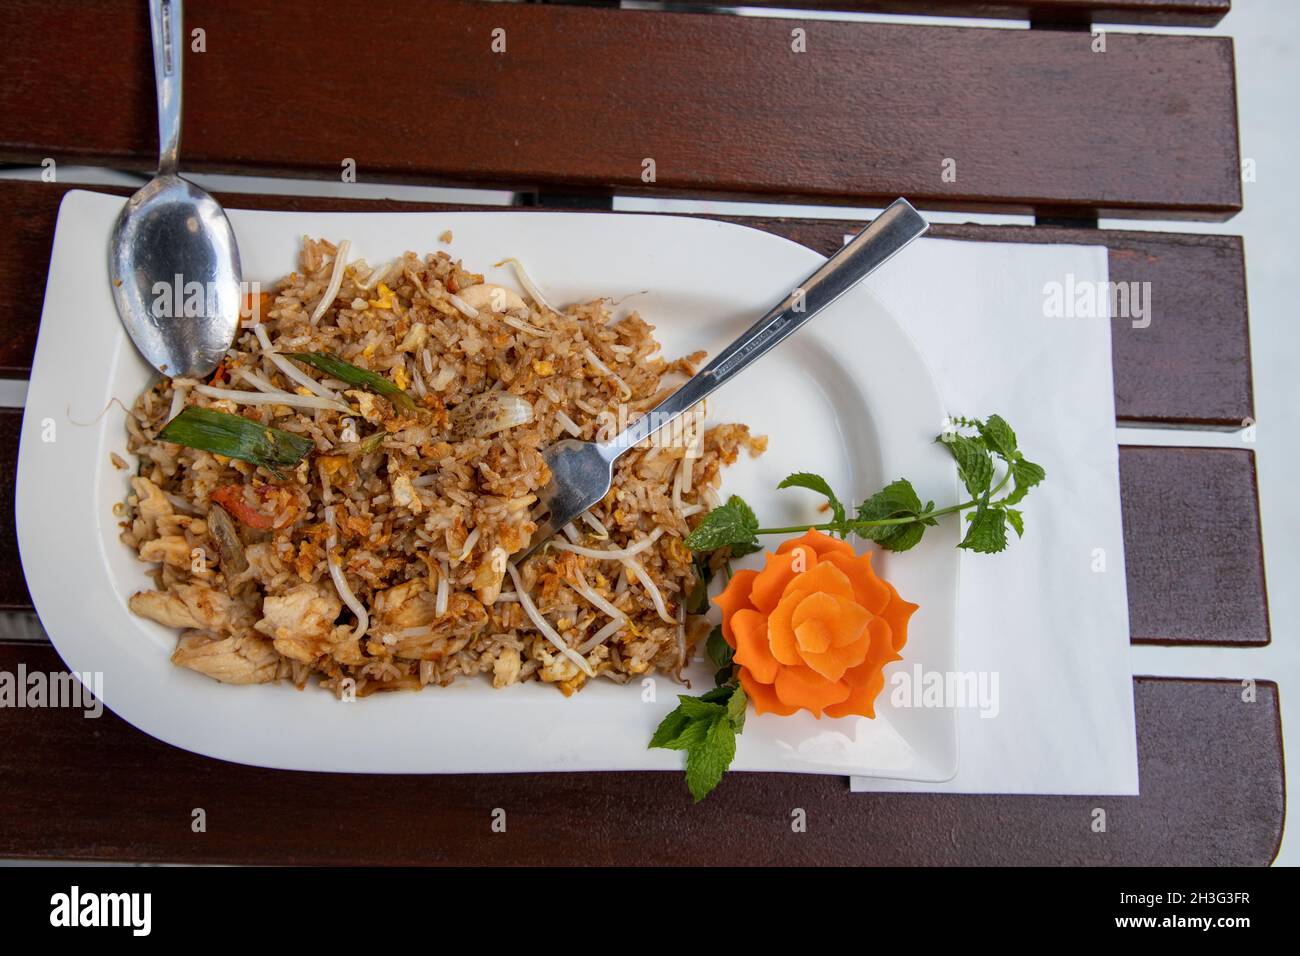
<point>168,43</point>
<point>869,250</point>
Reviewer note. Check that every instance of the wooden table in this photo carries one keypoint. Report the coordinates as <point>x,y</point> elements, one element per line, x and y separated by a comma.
<point>1036,121</point>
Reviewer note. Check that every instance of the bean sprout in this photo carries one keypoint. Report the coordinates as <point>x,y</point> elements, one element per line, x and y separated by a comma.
<point>651,588</point>
<point>610,554</point>
<point>544,625</point>
<point>272,398</point>
<point>340,581</point>
<point>336,280</point>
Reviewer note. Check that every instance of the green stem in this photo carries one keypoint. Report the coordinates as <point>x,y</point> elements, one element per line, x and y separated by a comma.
<point>882,522</point>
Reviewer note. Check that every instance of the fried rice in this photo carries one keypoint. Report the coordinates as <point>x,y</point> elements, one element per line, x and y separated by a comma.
<point>382,561</point>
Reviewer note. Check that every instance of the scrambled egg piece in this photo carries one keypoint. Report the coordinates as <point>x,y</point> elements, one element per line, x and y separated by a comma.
<point>415,339</point>
<point>404,494</point>
<point>368,405</point>
<point>385,300</point>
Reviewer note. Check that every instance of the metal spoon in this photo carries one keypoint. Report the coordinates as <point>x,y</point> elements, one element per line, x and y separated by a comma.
<point>581,472</point>
<point>173,258</point>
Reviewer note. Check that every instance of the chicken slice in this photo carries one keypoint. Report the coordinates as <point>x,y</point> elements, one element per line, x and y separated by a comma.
<point>505,669</point>
<point>185,605</point>
<point>489,576</point>
<point>248,659</point>
<point>409,604</point>
<point>171,549</point>
<point>464,619</point>
<point>152,503</point>
<point>300,621</point>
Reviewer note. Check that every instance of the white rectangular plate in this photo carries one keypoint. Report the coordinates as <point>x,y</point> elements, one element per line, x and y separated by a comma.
<point>848,397</point>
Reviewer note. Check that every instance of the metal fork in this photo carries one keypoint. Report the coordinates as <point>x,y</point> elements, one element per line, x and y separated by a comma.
<point>581,472</point>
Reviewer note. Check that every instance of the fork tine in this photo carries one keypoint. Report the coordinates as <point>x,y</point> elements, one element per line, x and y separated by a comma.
<point>545,531</point>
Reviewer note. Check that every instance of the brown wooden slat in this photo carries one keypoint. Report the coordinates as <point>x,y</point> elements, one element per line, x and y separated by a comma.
<point>1034,119</point>
<point>1181,590</point>
<point>1189,367</point>
<point>13,585</point>
<point>1194,13</point>
<point>1211,772</point>
<point>1185,584</point>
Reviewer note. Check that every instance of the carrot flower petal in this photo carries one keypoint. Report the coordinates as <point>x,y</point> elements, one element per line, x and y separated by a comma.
<point>811,635</point>
<point>843,620</point>
<point>880,651</point>
<point>871,592</point>
<point>824,577</point>
<point>897,614</point>
<point>750,628</point>
<point>780,631</point>
<point>803,687</point>
<point>780,570</point>
<point>734,597</point>
<point>861,700</point>
<point>823,544</point>
<point>764,696</point>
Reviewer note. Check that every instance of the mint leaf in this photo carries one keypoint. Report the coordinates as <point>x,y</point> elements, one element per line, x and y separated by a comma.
<point>719,695</point>
<point>697,601</point>
<point>691,735</point>
<point>901,537</point>
<point>697,709</point>
<point>998,436</point>
<point>1026,474</point>
<point>707,762</point>
<point>896,500</point>
<point>743,509</point>
<point>736,709</point>
<point>817,483</point>
<point>973,462</point>
<point>670,730</point>
<point>720,653</point>
<point>718,649</point>
<point>1016,521</point>
<point>733,523</point>
<point>988,531</point>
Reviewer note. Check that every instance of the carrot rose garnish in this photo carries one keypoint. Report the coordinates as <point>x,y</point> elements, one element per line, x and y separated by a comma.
<point>814,629</point>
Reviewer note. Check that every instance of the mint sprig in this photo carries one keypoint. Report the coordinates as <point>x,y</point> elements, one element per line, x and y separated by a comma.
<point>894,517</point>
<point>706,728</point>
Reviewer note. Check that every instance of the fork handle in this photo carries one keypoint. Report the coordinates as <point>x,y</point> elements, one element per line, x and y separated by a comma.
<point>875,245</point>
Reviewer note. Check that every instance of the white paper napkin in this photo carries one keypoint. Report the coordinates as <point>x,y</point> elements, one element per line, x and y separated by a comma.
<point>1049,616</point>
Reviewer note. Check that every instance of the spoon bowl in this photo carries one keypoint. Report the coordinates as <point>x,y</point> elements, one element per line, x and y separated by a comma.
<point>176,276</point>
<point>172,259</point>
